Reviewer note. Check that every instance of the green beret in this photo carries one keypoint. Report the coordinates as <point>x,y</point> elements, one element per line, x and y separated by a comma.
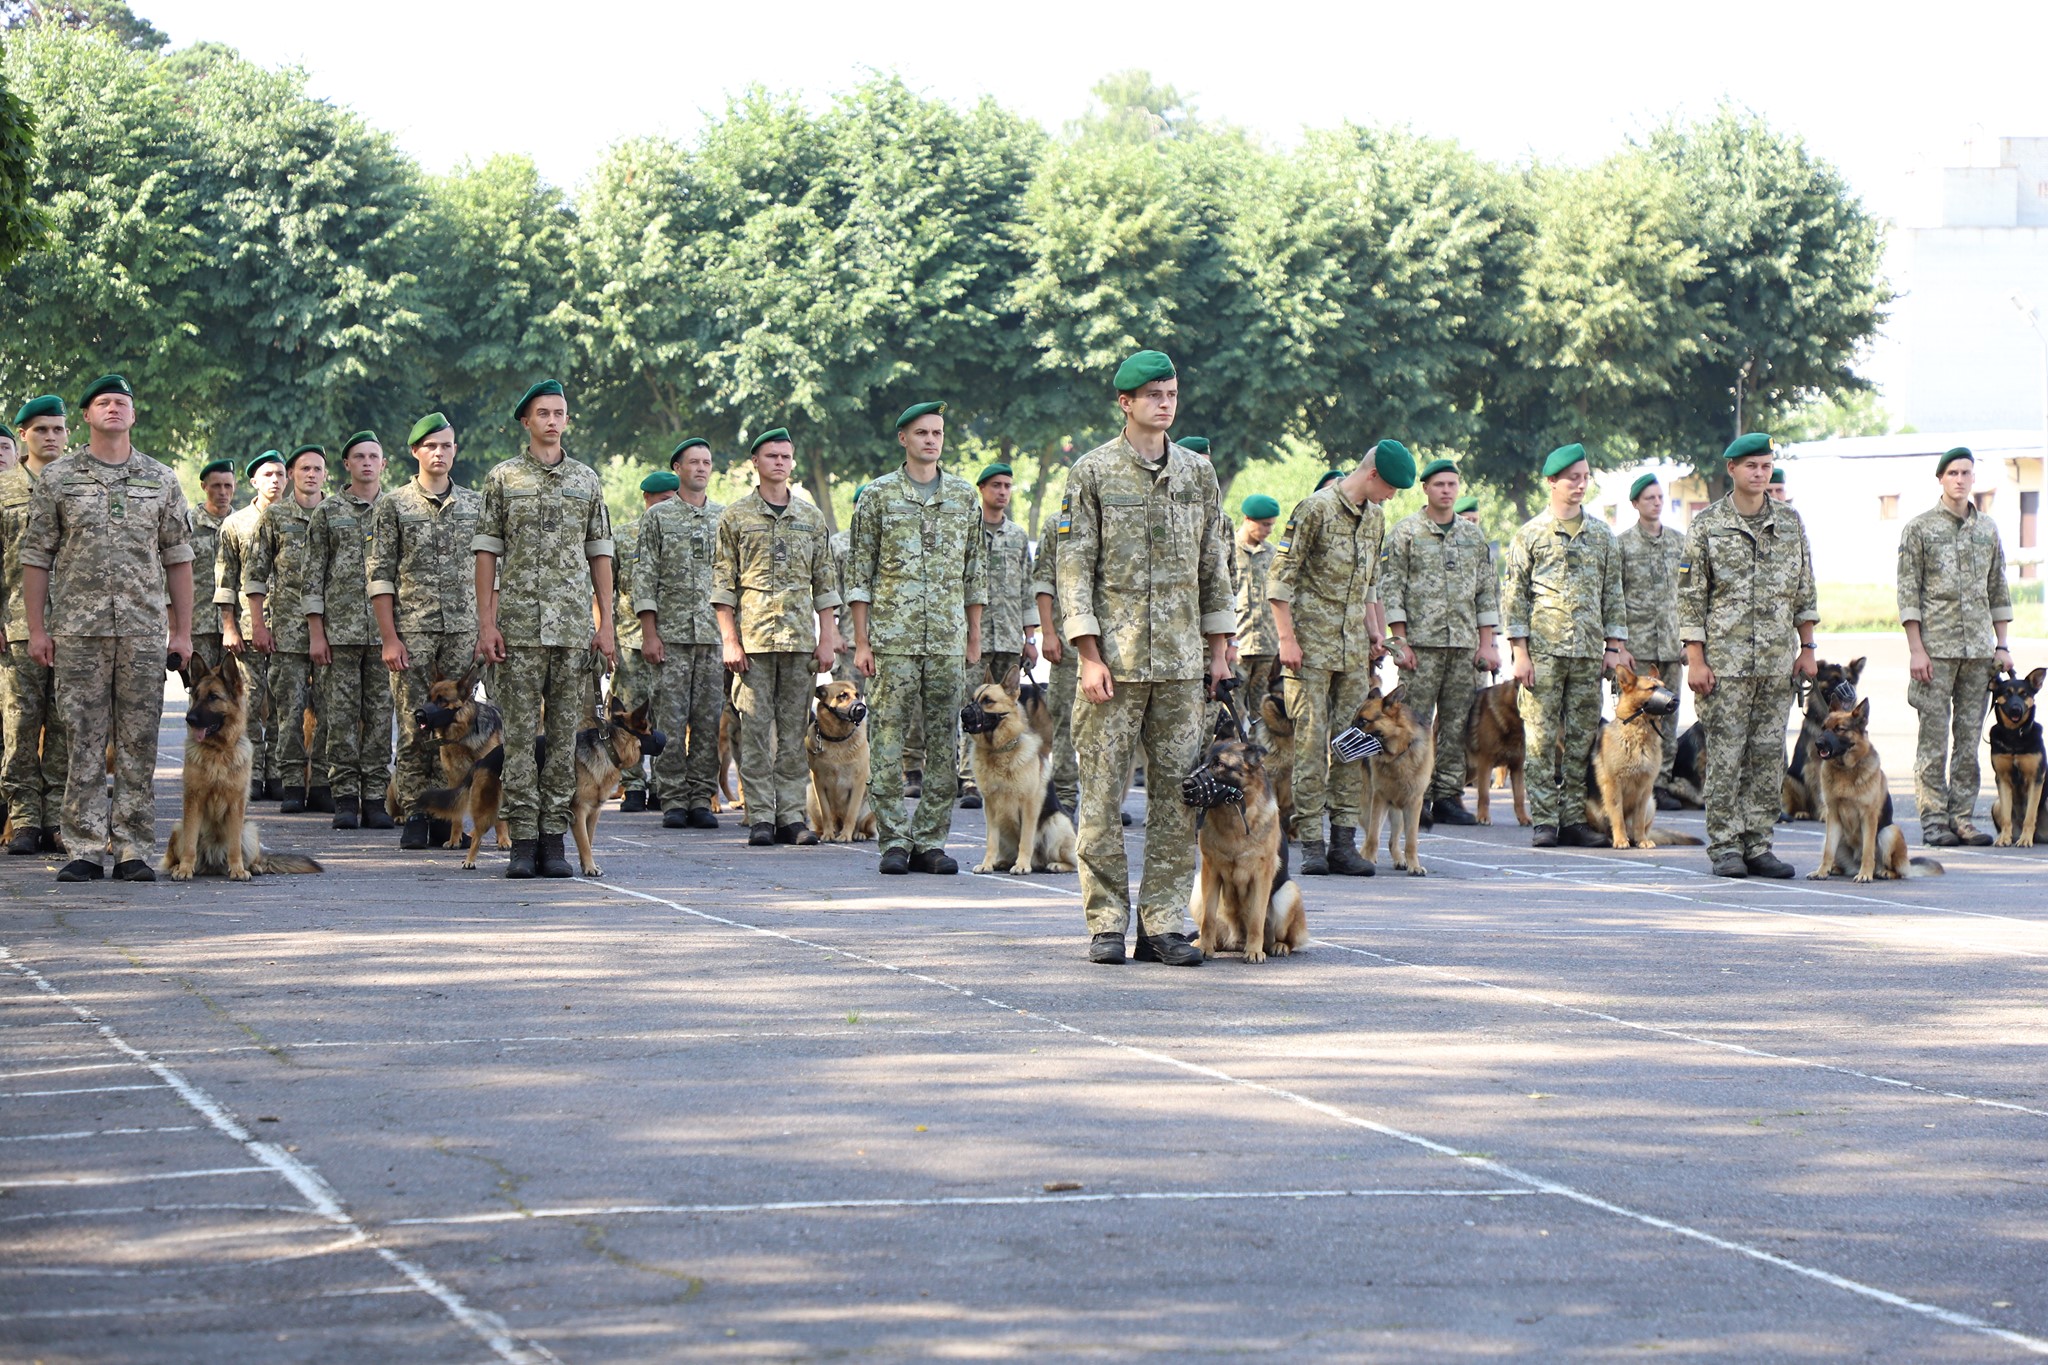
<point>859,489</point>
<point>106,383</point>
<point>1141,369</point>
<point>1635,490</point>
<point>1778,477</point>
<point>426,427</point>
<point>308,449</point>
<point>991,470</point>
<point>917,410</point>
<point>213,467</point>
<point>267,457</point>
<point>688,441</point>
<point>547,386</point>
<point>6,431</point>
<point>1468,503</point>
<point>1329,476</point>
<point>1436,467</point>
<point>1940,466</point>
<point>661,482</point>
<point>1259,507</point>
<point>1756,443</point>
<point>1198,444</point>
<point>1561,459</point>
<point>772,434</point>
<point>1394,464</point>
<point>49,405</point>
<point>352,442</point>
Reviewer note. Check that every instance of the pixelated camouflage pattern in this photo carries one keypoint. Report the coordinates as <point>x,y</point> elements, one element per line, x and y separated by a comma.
<point>107,534</point>
<point>916,558</point>
<point>773,566</point>
<point>1012,600</point>
<point>1649,591</point>
<point>337,584</point>
<point>913,694</point>
<point>689,695</point>
<point>110,688</point>
<point>1321,702</point>
<point>1744,723</point>
<point>276,571</point>
<point>1951,707</point>
<point>1743,585</point>
<point>1439,581</point>
<point>1560,716</point>
<point>545,523</point>
<point>1326,568</point>
<point>1251,567</point>
<point>355,712</point>
<point>1951,580</point>
<point>542,689</point>
<point>422,554</point>
<point>1562,592</point>
<point>38,742</point>
<point>677,544</point>
<point>1439,692</point>
<point>1166,718</point>
<point>775,694</point>
<point>205,552</point>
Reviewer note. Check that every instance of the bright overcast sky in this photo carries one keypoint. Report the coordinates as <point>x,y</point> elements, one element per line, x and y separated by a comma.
<point>1874,87</point>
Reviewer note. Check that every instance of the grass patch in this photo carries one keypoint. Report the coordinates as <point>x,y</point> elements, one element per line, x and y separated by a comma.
<point>1875,607</point>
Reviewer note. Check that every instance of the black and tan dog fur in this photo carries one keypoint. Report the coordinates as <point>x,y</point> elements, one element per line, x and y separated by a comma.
<point>603,752</point>
<point>1278,728</point>
<point>1495,746</point>
<point>836,746</point>
<point>214,834</point>
<point>1396,778</point>
<point>1621,768</point>
<point>2017,760</point>
<point>1802,797</point>
<point>1862,839</point>
<point>471,734</point>
<point>1028,831</point>
<point>1243,897</point>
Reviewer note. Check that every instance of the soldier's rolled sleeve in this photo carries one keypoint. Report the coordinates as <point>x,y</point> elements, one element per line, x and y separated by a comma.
<point>597,532</point>
<point>2001,595</point>
<point>1912,576</point>
<point>262,561</point>
<point>1613,607</point>
<point>824,576</point>
<point>646,575</point>
<point>227,572</point>
<point>313,597</point>
<point>174,528</point>
<point>725,563</point>
<point>1080,557</point>
<point>1218,600</point>
<point>863,552</point>
<point>1296,541</point>
<point>380,560</point>
<point>490,525</point>
<point>1515,598</point>
<point>1809,597</point>
<point>1489,598</point>
<point>974,568</point>
<point>1693,574</point>
<point>1393,579</point>
<point>39,536</point>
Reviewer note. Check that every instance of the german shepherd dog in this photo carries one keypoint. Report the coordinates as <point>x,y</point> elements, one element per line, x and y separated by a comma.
<point>605,750</point>
<point>2017,759</point>
<point>1621,768</point>
<point>1832,688</point>
<point>215,834</point>
<point>1397,778</point>
<point>1494,744</point>
<point>727,794</point>
<point>1689,768</point>
<point>1027,829</point>
<point>472,738</point>
<point>836,743</point>
<point>1278,728</point>
<point>1244,897</point>
<point>1859,808</point>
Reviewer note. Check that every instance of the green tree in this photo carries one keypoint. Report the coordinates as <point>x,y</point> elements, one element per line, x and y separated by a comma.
<point>111,18</point>
<point>21,224</point>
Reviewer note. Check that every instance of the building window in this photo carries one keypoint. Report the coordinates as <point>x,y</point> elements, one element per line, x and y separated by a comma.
<point>1888,507</point>
<point>1984,500</point>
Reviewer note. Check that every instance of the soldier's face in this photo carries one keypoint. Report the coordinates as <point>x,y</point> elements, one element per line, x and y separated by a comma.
<point>1256,529</point>
<point>693,467</point>
<point>1959,479</point>
<point>436,453</point>
<point>220,492</point>
<point>995,494</point>
<point>9,456</point>
<point>547,417</point>
<point>1151,406</point>
<point>365,464</point>
<point>1442,492</point>
<point>924,439</point>
<point>269,480</point>
<point>309,475</point>
<point>1569,487</point>
<point>1472,516</point>
<point>1650,506</point>
<point>1751,476</point>
<point>47,437</point>
<point>112,413</point>
<point>650,499</point>
<point>772,463</point>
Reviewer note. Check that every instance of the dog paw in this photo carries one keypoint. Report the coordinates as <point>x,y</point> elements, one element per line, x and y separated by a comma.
<point>593,871</point>
<point>1863,877</point>
<point>2002,841</point>
<point>1254,954</point>
<point>233,876</point>
<point>181,874</point>
<point>1281,949</point>
<point>982,869</point>
<point>1021,870</point>
<point>1418,871</point>
<point>1646,843</point>
<point>1059,867</point>
<point>1522,822</point>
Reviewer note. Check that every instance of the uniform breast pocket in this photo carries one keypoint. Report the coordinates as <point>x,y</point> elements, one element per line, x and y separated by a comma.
<point>757,560</point>
<point>522,512</point>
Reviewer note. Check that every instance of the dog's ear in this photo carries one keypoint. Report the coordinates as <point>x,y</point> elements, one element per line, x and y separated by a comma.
<point>1650,671</point>
<point>2034,679</point>
<point>1624,677</point>
<point>434,675</point>
<point>819,693</point>
<point>230,675</point>
<point>1256,751</point>
<point>1396,697</point>
<point>1010,680</point>
<point>1862,711</point>
<point>638,720</point>
<point>465,687</point>
<point>1854,670</point>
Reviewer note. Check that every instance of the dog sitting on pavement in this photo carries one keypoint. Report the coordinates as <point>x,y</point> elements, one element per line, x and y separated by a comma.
<point>1397,777</point>
<point>1622,766</point>
<point>836,745</point>
<point>1832,688</point>
<point>1243,897</point>
<point>2017,759</point>
<point>471,734</point>
<point>1862,839</point>
<point>214,833</point>
<point>603,751</point>
<point>1028,831</point>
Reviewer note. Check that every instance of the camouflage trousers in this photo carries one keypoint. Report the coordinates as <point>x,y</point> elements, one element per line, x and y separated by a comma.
<point>262,726</point>
<point>1066,769</point>
<point>1322,701</point>
<point>914,696</point>
<point>541,691</point>
<point>1744,723</point>
<point>1945,771</point>
<point>209,649</point>
<point>355,707</point>
<point>1166,717</point>
<point>633,682</point>
<point>992,668</point>
<point>38,742</point>
<point>1670,672</point>
<point>1258,676</point>
<point>1560,715</point>
<point>419,753</point>
<point>111,688</point>
<point>689,695</point>
<point>1440,692</point>
<point>291,694</point>
<point>774,701</point>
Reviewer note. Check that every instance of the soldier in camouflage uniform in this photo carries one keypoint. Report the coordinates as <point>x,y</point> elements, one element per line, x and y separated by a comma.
<point>1565,622</point>
<point>1251,567</point>
<point>1143,589</point>
<point>108,545</point>
<point>422,584</point>
<point>341,637</point>
<point>1064,674</point>
<point>1650,552</point>
<point>217,482</point>
<point>633,681</point>
<point>237,546</point>
<point>1442,606</point>
<point>274,581</point>
<point>773,585</point>
<point>543,554</point>
<point>1327,615</point>
<point>679,637</point>
<point>1953,602</point>
<point>38,740</point>
<point>1745,585</point>
<point>1009,620</point>
<point>841,542</point>
<point>917,578</point>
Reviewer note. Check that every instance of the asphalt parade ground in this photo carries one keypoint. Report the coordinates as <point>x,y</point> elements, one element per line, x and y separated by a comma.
<point>763,1104</point>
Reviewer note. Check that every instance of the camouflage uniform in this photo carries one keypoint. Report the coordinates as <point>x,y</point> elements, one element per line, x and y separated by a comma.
<point>545,523</point>
<point>1563,596</point>
<point>38,739</point>
<point>1012,604</point>
<point>206,642</point>
<point>842,662</point>
<point>672,579</point>
<point>355,688</point>
<point>1063,680</point>
<point>237,546</point>
<point>773,566</point>
<point>1324,566</point>
<point>108,534</point>
<point>420,556</point>
<point>1439,581</point>
<point>1141,568</point>
<point>1649,594</point>
<point>276,569</point>
<point>1952,581</point>
<point>918,561</point>
<point>633,679</point>
<point>1743,586</point>
<point>1257,645</point>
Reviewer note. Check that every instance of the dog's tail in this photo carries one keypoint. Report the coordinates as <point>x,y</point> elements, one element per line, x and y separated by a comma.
<point>1665,837</point>
<point>268,862</point>
<point>1924,867</point>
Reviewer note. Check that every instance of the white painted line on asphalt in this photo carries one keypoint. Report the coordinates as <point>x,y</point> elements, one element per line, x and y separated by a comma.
<point>83,1090</point>
<point>486,1326</point>
<point>62,1070</point>
<point>62,1182</point>
<point>950,1202</point>
<point>157,1308</point>
<point>58,1215</point>
<point>1933,1312</point>
<point>98,1133</point>
<point>89,1272</point>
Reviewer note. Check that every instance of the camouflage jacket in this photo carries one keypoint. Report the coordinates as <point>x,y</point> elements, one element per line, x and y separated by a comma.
<point>1439,580</point>
<point>1141,566</point>
<point>1649,592</point>
<point>625,563</point>
<point>205,552</point>
<point>672,572</point>
<point>916,559</point>
<point>420,556</point>
<point>1563,592</point>
<point>337,585</point>
<point>1743,584</point>
<point>1952,581</point>
<point>1326,567</point>
<point>107,533</point>
<point>1012,602</point>
<point>237,546</point>
<point>842,545</point>
<point>773,567</point>
<point>545,523</point>
<point>1045,575</point>
<point>17,491</point>
<point>1251,566</point>
<point>276,567</point>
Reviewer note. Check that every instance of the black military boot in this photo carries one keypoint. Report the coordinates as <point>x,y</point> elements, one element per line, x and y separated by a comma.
<point>1175,950</point>
<point>81,870</point>
<point>293,802</point>
<point>1106,948</point>
<point>25,841</point>
<point>1582,835</point>
<point>1344,859</point>
<point>913,784</point>
<point>416,833</point>
<point>762,835</point>
<point>702,818</point>
<point>633,802</point>
<point>255,789</point>
<point>1450,810</point>
<point>552,862</point>
<point>273,789</point>
<point>523,853</point>
<point>1315,861</point>
<point>895,862</point>
<point>970,796</point>
<point>348,813</point>
<point>133,870</point>
<point>320,799</point>
<point>377,815</point>
<point>935,860</point>
<point>1543,836</point>
<point>53,839</point>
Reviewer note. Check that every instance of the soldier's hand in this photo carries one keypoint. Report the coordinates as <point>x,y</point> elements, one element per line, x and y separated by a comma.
<point>264,643</point>
<point>1096,685</point>
<point>1487,658</point>
<point>42,649</point>
<point>1919,666</point>
<point>1054,650</point>
<point>1807,665</point>
<point>181,650</point>
<point>606,642</point>
<point>490,644</point>
<point>1525,669</point>
<point>319,652</point>
<point>1290,656</point>
<point>1230,655</point>
<point>395,657</point>
<point>231,639</point>
<point>824,656</point>
<point>1030,654</point>
<point>1700,678</point>
<point>1405,658</point>
<point>734,656</point>
<point>651,648</point>
<point>864,661</point>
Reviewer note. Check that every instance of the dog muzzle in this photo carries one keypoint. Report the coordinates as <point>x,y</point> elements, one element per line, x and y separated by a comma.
<point>652,743</point>
<point>856,713</point>
<point>432,717</point>
<point>1203,790</point>
<point>976,721</point>
<point>203,724</point>
<point>1828,744</point>
<point>1841,696</point>
<point>1351,744</point>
